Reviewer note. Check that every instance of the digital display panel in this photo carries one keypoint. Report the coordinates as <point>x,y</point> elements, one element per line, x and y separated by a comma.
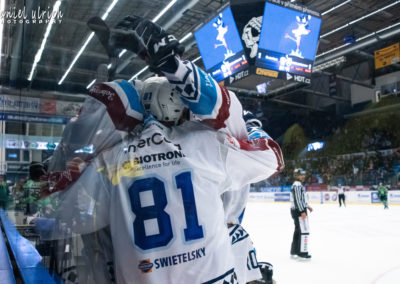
<point>288,40</point>
<point>220,46</point>
<point>315,146</point>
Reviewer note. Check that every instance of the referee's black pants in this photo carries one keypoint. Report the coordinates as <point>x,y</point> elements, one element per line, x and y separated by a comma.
<point>342,198</point>
<point>300,235</point>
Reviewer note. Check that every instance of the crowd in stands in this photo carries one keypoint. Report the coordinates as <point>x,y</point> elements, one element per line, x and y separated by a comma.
<point>353,169</point>
<point>350,170</point>
<point>362,150</point>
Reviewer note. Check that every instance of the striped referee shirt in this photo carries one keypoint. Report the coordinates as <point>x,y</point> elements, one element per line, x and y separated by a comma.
<point>298,197</point>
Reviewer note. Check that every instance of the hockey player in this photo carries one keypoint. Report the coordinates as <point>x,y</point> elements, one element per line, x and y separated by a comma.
<point>234,206</point>
<point>382,194</point>
<point>247,267</point>
<point>298,212</point>
<point>180,73</point>
<point>158,193</point>
<point>110,112</point>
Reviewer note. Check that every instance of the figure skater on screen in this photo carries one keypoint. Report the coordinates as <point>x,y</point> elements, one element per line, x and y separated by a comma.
<point>302,29</point>
<point>222,30</point>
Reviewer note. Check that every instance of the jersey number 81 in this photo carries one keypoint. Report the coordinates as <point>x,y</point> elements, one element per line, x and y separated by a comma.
<point>192,231</point>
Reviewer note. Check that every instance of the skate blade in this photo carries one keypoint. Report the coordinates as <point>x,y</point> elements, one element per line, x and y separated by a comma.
<point>302,259</point>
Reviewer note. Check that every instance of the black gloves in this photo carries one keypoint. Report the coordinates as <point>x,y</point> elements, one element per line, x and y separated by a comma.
<point>149,41</point>
<point>250,119</point>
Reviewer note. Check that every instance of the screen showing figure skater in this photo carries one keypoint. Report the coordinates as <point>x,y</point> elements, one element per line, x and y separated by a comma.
<point>220,46</point>
<point>288,40</point>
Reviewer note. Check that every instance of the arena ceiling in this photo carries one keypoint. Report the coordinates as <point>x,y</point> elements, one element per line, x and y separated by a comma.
<point>67,66</point>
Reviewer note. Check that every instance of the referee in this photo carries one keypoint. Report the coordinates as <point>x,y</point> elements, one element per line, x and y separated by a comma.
<point>342,197</point>
<point>298,211</point>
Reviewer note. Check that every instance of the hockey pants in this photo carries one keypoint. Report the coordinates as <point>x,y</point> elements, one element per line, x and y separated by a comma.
<point>384,200</point>
<point>301,233</point>
<point>342,198</point>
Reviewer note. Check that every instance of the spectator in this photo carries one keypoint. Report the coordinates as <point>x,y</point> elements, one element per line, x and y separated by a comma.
<point>4,192</point>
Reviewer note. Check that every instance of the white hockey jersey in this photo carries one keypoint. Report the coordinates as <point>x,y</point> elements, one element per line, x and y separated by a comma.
<point>160,194</point>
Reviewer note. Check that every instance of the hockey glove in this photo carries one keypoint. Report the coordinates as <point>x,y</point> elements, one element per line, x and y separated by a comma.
<point>149,41</point>
<point>250,119</point>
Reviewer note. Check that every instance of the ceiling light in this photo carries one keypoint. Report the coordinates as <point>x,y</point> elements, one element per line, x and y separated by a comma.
<point>334,8</point>
<point>138,73</point>
<point>163,11</point>
<point>185,37</point>
<point>330,63</point>
<point>76,57</point>
<point>2,8</point>
<point>122,52</point>
<point>361,38</point>
<point>39,53</point>
<point>105,15</point>
<point>359,19</point>
<point>196,59</point>
<point>91,83</point>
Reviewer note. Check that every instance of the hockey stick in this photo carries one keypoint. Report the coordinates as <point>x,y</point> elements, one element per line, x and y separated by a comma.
<point>102,31</point>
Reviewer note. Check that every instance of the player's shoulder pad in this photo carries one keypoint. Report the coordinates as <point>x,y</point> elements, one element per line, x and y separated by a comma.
<point>122,102</point>
<point>117,93</point>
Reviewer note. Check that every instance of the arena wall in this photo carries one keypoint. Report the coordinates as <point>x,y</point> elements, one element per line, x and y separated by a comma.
<point>328,197</point>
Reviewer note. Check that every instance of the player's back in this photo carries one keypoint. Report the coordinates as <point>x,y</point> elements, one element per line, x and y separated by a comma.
<point>166,214</point>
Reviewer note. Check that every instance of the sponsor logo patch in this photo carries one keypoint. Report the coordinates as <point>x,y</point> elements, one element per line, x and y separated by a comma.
<point>145,266</point>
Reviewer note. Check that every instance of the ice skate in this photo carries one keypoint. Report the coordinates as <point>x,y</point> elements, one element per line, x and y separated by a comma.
<point>303,257</point>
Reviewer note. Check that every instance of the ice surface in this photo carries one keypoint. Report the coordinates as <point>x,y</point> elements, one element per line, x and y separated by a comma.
<point>359,244</point>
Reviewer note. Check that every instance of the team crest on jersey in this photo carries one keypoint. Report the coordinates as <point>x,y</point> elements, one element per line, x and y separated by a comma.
<point>145,266</point>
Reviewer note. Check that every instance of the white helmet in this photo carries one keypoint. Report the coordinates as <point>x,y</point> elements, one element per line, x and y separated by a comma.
<point>161,99</point>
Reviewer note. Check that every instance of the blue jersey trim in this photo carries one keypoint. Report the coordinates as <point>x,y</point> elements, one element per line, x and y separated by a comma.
<point>131,94</point>
<point>220,277</point>
<point>208,95</point>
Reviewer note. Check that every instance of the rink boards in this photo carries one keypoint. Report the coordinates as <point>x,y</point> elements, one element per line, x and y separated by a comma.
<point>356,197</point>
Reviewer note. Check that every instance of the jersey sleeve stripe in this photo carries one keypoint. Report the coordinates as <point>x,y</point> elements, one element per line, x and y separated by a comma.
<point>263,144</point>
<point>278,154</point>
<point>115,107</point>
<point>215,280</point>
<point>129,98</point>
<point>131,94</point>
<point>223,112</point>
